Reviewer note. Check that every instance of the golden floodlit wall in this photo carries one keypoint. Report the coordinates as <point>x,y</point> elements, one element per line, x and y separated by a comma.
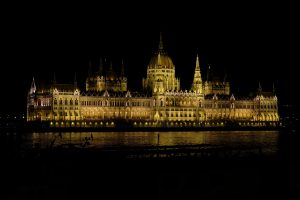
<point>107,99</point>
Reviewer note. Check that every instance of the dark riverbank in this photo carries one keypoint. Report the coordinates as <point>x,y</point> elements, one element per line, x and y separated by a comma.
<point>66,173</point>
<point>43,127</point>
<point>79,177</point>
<point>75,173</point>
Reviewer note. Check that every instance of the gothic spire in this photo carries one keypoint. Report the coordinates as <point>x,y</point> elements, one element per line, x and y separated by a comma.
<point>259,87</point>
<point>122,69</point>
<point>158,59</point>
<point>225,77</point>
<point>197,63</point>
<point>197,82</point>
<point>33,86</point>
<point>160,46</point>
<point>208,74</point>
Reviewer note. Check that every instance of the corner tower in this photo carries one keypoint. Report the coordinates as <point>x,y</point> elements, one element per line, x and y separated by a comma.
<point>197,82</point>
<point>161,72</point>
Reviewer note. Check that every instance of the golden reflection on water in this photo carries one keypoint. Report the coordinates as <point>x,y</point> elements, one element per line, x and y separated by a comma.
<point>104,139</point>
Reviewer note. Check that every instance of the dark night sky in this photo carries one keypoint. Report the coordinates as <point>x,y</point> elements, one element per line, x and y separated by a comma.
<point>250,42</point>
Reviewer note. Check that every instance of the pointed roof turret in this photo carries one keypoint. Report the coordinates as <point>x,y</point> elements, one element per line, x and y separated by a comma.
<point>160,46</point>
<point>197,82</point>
<point>259,87</point>
<point>161,57</point>
<point>106,94</point>
<point>208,73</point>
<point>215,97</point>
<point>122,69</point>
<point>33,86</point>
<point>128,94</point>
<point>110,73</point>
<point>232,97</point>
<point>158,59</point>
<point>197,63</point>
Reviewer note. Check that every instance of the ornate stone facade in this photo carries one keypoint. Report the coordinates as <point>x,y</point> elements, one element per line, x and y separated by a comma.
<point>107,101</point>
<point>109,81</point>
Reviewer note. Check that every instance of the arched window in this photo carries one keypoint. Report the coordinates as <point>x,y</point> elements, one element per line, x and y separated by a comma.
<point>55,101</point>
<point>161,102</point>
<point>66,102</point>
<point>76,102</point>
<point>60,102</point>
<point>71,102</point>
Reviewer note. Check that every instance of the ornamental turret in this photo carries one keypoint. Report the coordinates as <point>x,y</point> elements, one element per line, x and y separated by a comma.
<point>197,82</point>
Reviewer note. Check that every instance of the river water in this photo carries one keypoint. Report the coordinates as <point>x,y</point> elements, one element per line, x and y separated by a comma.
<point>73,178</point>
<point>265,139</point>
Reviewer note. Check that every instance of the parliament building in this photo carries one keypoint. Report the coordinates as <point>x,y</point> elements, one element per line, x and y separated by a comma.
<point>106,100</point>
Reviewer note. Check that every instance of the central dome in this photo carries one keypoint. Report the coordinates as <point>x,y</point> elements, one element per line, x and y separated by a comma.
<point>161,59</point>
<point>161,72</point>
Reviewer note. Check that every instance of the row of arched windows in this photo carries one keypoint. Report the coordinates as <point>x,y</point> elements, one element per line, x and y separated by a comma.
<point>115,103</point>
<point>43,102</point>
<point>65,102</point>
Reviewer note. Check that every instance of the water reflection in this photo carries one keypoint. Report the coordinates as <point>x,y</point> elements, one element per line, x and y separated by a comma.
<point>270,142</point>
<point>105,139</point>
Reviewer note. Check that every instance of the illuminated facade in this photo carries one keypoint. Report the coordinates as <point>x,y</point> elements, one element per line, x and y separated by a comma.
<point>107,101</point>
<point>109,81</point>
